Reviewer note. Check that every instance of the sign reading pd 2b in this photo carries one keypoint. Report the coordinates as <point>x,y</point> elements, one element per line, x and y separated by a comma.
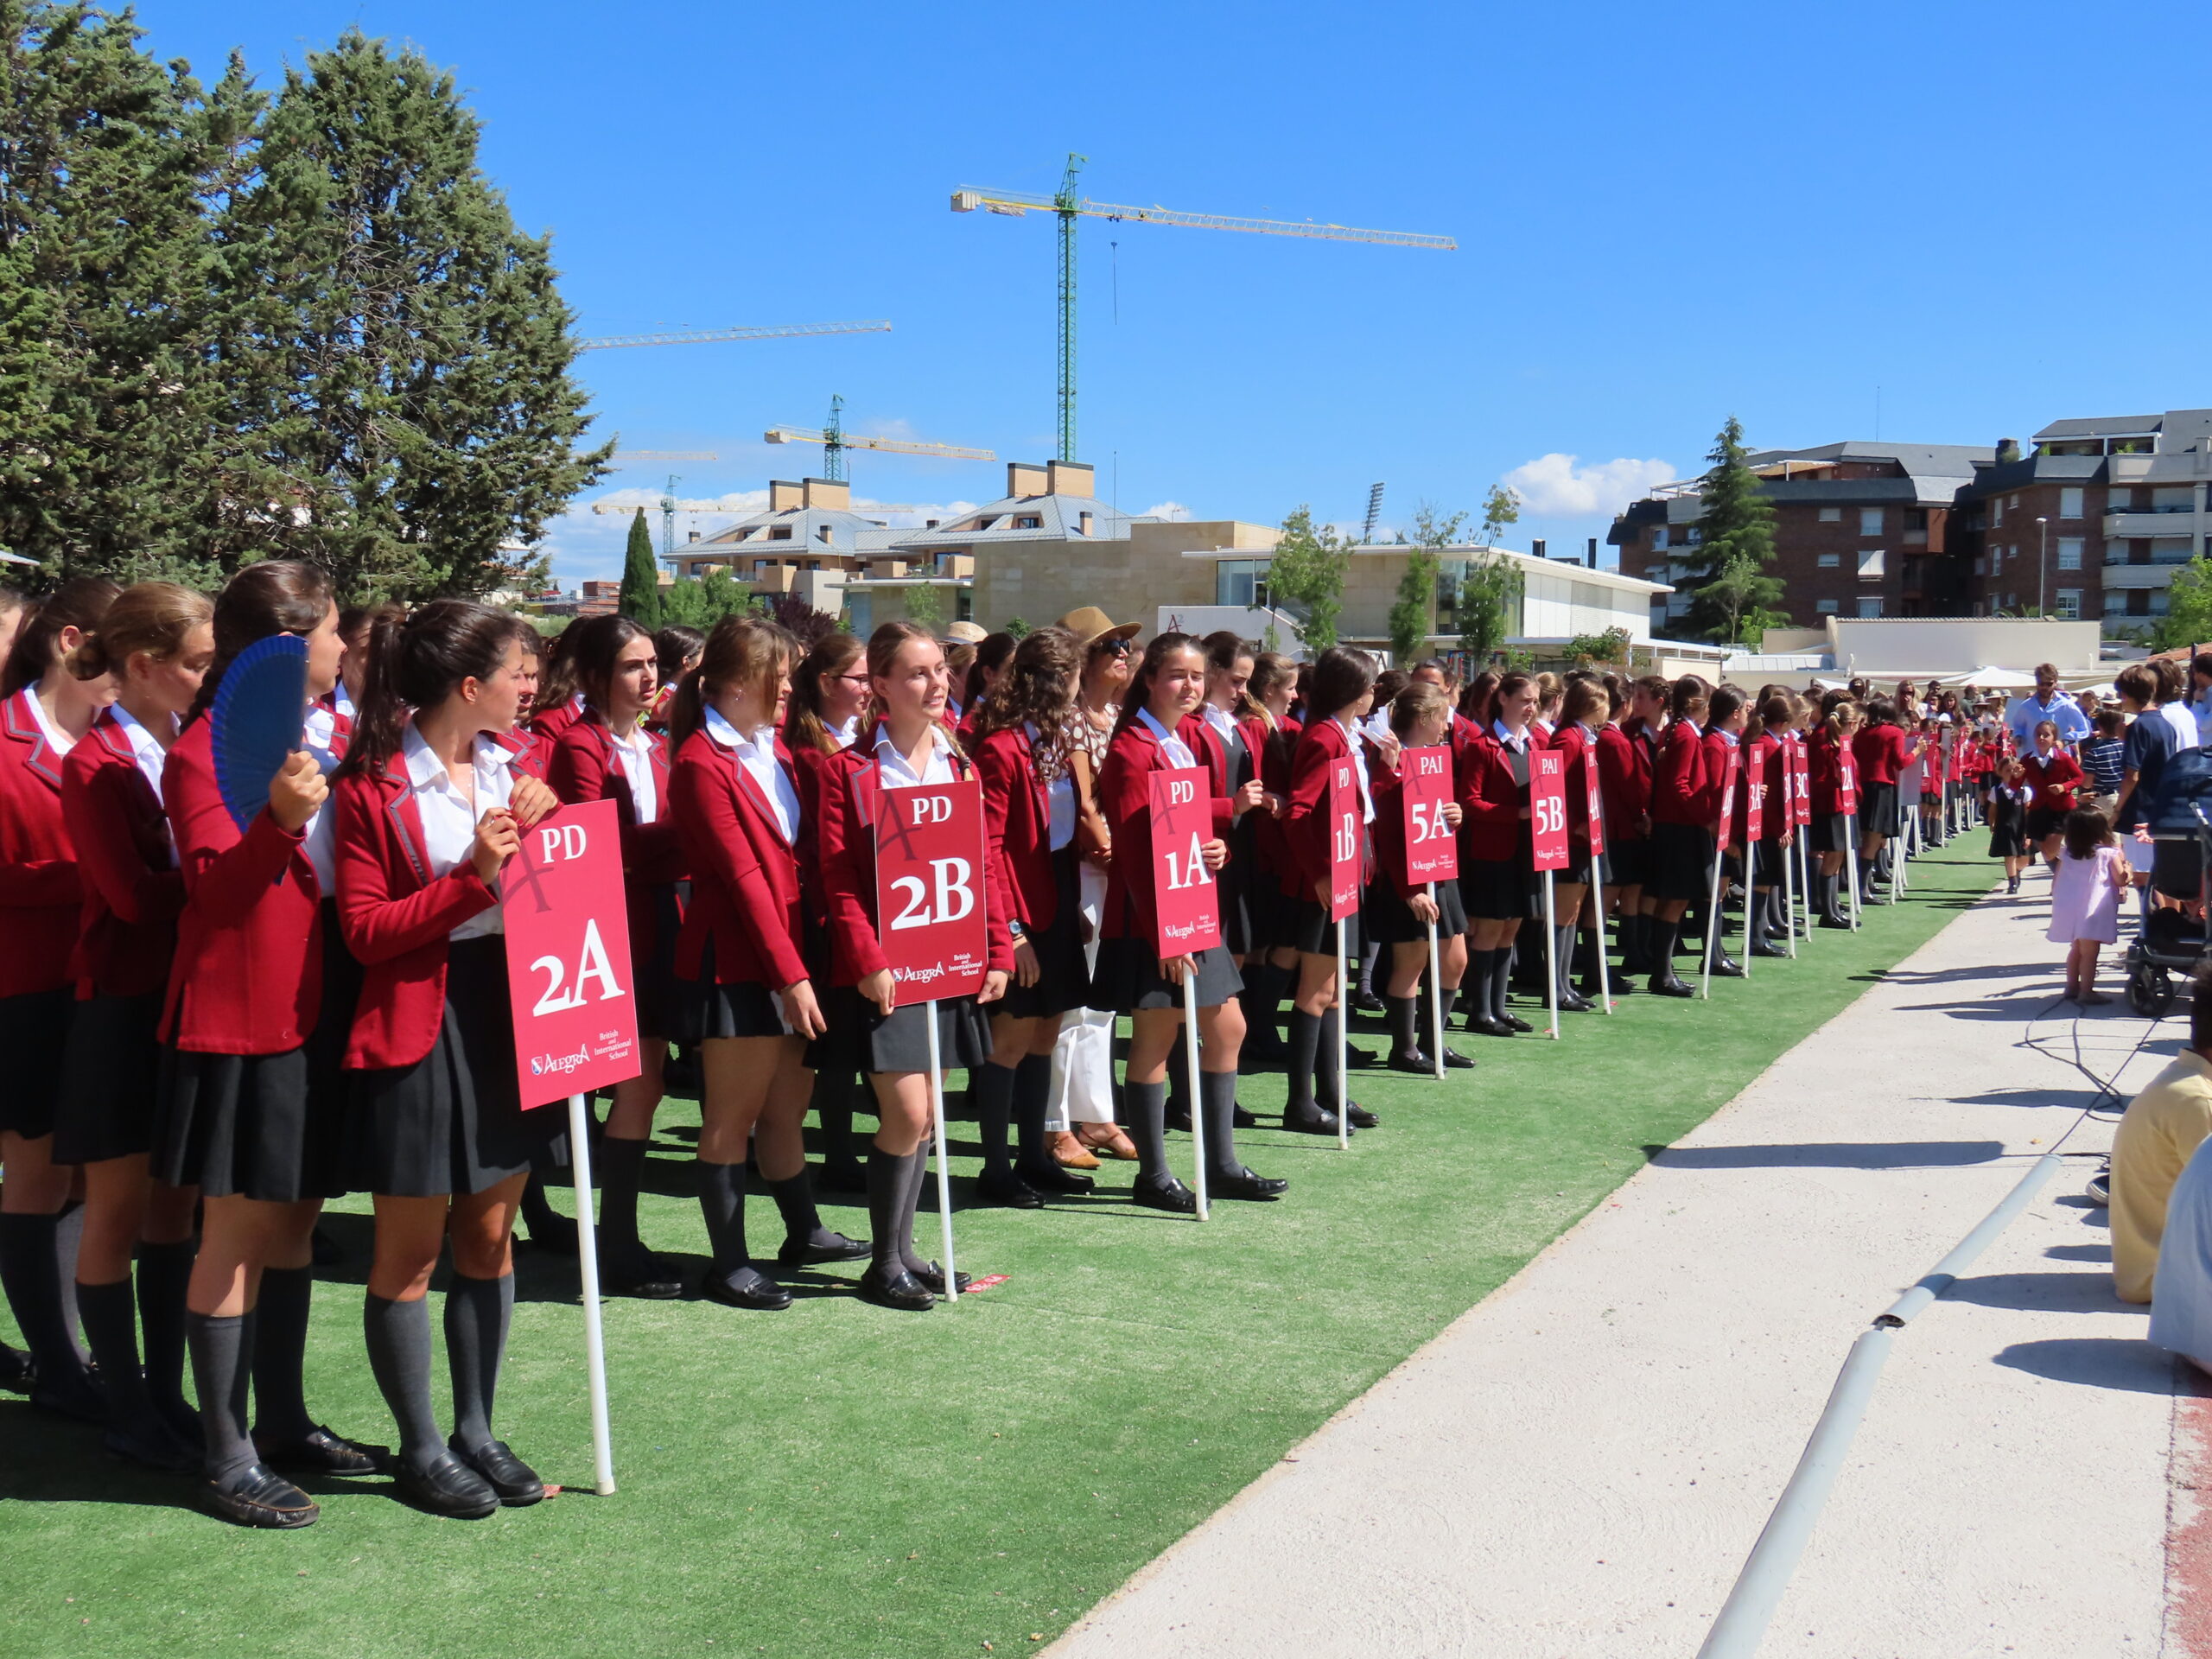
<point>928,889</point>
<point>568,933</point>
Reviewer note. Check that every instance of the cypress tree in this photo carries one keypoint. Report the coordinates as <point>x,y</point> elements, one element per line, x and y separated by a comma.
<point>1737,524</point>
<point>640,596</point>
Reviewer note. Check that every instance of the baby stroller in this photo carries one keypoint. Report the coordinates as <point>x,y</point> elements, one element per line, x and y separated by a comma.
<point>2171,941</point>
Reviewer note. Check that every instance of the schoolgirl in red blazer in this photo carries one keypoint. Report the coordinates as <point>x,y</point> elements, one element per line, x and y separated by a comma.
<point>1154,732</point>
<point>1684,800</point>
<point>1766,766</point>
<point>1338,697</point>
<point>253,1092</point>
<point>1497,856</point>
<point>606,753</point>
<point>1725,715</point>
<point>1883,751</point>
<point>869,1029</point>
<point>2056,777</point>
<point>1271,888</point>
<point>428,812</point>
<point>1024,737</point>
<point>1583,708</point>
<point>1830,776</point>
<point>1626,749</point>
<point>531,753</point>
<point>47,712</point>
<point>155,645</point>
<point>1401,910</point>
<point>750,1005</point>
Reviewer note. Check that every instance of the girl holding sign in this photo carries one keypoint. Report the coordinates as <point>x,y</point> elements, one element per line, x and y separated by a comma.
<point>1270,902</point>
<point>156,640</point>
<point>1724,717</point>
<point>428,810</point>
<point>1681,846</point>
<point>752,1007</point>
<point>1150,736</point>
<point>1582,709</point>
<point>1024,737</point>
<point>1497,855</point>
<point>606,753</point>
<point>1827,759</point>
<point>253,1091</point>
<point>48,712</point>
<point>1402,910</point>
<point>1766,767</point>
<point>869,1027</point>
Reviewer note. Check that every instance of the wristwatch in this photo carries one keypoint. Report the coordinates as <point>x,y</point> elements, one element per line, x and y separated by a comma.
<point>1014,929</point>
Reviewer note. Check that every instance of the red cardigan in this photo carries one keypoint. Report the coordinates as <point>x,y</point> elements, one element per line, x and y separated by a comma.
<point>247,977</point>
<point>396,916</point>
<point>745,888</point>
<point>39,883</point>
<point>846,833</point>
<point>1678,782</point>
<point>1018,826</point>
<point>132,887</point>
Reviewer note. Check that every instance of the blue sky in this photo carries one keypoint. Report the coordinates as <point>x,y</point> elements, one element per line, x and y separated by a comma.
<point>1976,217</point>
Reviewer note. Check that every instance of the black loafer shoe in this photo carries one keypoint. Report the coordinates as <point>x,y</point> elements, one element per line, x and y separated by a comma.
<point>1516,1022</point>
<point>931,1277</point>
<point>1367,1003</point>
<point>745,1286</point>
<point>640,1274</point>
<point>16,1371</point>
<point>1051,1178</point>
<point>1309,1120</point>
<point>1244,1186</point>
<point>150,1444</point>
<point>1415,1064</point>
<point>515,1481</point>
<point>901,1290</point>
<point>445,1485</point>
<point>1169,1194</point>
<point>257,1496</point>
<point>1482,1024</point>
<point>1241,1119</point>
<point>1362,1118</point>
<point>1619,985</point>
<point>1575,1002</point>
<point>1727,968</point>
<point>825,1246</point>
<point>1671,985</point>
<point>1007,1189</point>
<point>1359,1058</point>
<point>1763,948</point>
<point>1455,1061</point>
<point>321,1452</point>
<point>77,1396</point>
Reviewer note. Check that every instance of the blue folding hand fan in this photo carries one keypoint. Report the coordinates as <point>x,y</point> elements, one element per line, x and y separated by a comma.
<point>259,712</point>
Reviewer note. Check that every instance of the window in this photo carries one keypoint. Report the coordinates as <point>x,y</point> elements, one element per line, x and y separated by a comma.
<point>1028,521</point>
<point>780,532</point>
<point>2015,502</point>
<point>1831,561</point>
<point>1870,521</point>
<point>2179,497</point>
<point>1870,565</point>
<point>1237,581</point>
<point>2118,501</point>
<point>1996,509</point>
<point>2115,601</point>
<point>985,521</point>
<point>1831,515</point>
<point>1826,606</point>
<point>1658,537</point>
<point>2069,603</point>
<point>2070,502</point>
<point>2172,549</point>
<point>2161,601</point>
<point>814,564</point>
<point>1870,607</point>
<point>2070,552</point>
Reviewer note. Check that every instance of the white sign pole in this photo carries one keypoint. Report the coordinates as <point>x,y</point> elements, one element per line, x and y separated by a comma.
<point>944,1160</point>
<point>1197,1099</point>
<point>1714,923</point>
<point>1851,864</point>
<point>1551,954</point>
<point>1789,893</point>
<point>1598,903</point>
<point>602,1442</point>
<point>1435,995</point>
<point>1344,1046</point>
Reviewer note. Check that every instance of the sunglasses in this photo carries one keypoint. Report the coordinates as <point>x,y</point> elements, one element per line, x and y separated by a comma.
<point>1119,647</point>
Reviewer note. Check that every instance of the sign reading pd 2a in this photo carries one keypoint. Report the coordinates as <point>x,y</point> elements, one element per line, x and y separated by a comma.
<point>568,931</point>
<point>928,889</point>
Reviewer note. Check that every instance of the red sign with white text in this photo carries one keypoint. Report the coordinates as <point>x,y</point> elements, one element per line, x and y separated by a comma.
<point>1754,802</point>
<point>1548,807</point>
<point>1425,783</point>
<point>1185,899</point>
<point>1346,817</point>
<point>1800,780</point>
<point>567,923</point>
<point>928,889</point>
<point>1728,799</point>
<point>1596,796</point>
<point>1846,792</point>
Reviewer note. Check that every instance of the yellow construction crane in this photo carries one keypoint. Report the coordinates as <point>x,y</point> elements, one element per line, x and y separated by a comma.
<point>835,440</point>
<point>1069,207</point>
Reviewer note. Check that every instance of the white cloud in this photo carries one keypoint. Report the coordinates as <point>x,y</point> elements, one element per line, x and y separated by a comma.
<point>1555,486</point>
<point>1169,509</point>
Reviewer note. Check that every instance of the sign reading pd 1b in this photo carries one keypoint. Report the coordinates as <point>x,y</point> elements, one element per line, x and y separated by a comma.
<point>1187,899</point>
<point>1425,785</point>
<point>1345,816</point>
<point>928,889</point>
<point>568,933</point>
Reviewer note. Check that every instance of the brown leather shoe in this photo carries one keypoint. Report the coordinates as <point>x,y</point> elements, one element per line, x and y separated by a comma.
<point>1106,1140</point>
<point>1071,1154</point>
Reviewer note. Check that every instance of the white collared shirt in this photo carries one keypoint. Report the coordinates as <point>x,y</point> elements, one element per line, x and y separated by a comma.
<point>848,733</point>
<point>757,755</point>
<point>1178,752</point>
<point>1224,723</point>
<point>61,741</point>
<point>633,753</point>
<point>894,772</point>
<point>145,749</point>
<point>449,817</point>
<point>319,837</point>
<point>1518,742</point>
<point>1359,767</point>
<point>1059,796</point>
<point>341,701</point>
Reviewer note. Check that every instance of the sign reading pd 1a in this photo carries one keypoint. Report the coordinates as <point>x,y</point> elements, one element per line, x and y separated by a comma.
<point>928,889</point>
<point>1187,899</point>
<point>568,931</point>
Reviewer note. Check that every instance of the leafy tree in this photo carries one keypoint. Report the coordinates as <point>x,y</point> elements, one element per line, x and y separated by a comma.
<point>2189,620</point>
<point>1736,526</point>
<point>420,420</point>
<point>640,596</point>
<point>801,620</point>
<point>1307,569</point>
<point>1736,602</point>
<point>1501,507</point>
<point>1491,592</point>
<point>1019,628</point>
<point>925,605</point>
<point>702,601</point>
<point>1412,613</point>
<point>1611,646</point>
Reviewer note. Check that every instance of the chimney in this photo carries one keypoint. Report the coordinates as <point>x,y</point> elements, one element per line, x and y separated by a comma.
<point>783,495</point>
<point>1536,551</point>
<point>1591,557</point>
<point>823,492</point>
<point>693,537</point>
<point>1024,478</point>
<point>1068,477</point>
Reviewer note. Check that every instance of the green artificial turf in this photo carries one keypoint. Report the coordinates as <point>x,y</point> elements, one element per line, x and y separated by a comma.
<point>842,1480</point>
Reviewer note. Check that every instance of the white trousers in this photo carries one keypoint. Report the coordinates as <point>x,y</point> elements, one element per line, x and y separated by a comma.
<point>1083,1055</point>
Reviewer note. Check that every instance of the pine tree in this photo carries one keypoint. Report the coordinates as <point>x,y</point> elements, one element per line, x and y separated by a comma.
<point>1737,524</point>
<point>422,425</point>
<point>640,597</point>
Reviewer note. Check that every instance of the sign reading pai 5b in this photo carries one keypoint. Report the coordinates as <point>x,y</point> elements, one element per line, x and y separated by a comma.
<point>563,910</point>
<point>929,888</point>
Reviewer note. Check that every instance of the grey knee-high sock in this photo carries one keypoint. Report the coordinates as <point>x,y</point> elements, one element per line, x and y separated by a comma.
<point>917,1176</point>
<point>1218,1100</point>
<point>280,1348</point>
<point>833,1109</point>
<point>721,1202</point>
<point>110,1314</point>
<point>1563,957</point>
<point>68,1236</point>
<point>1328,1079</point>
<point>221,1348</point>
<point>991,1088</point>
<point>1402,1012</point>
<point>887,1196</point>
<point>1305,1050</point>
<point>33,1282</point>
<point>1033,1103</point>
<point>621,1166</point>
<point>794,1197</point>
<point>1147,1105</point>
<point>1501,971</point>
<point>478,1312</point>
<point>164,1272</point>
<point>399,1358</point>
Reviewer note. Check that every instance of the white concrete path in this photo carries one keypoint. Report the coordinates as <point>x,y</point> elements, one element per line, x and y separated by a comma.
<point>1577,1466</point>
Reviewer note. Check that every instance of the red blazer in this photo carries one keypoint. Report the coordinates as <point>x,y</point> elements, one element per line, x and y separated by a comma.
<point>1569,741</point>
<point>1018,826</point>
<point>1625,782</point>
<point>396,916</point>
<point>1717,746</point>
<point>846,832</point>
<point>811,766</point>
<point>39,884</point>
<point>1491,800</point>
<point>1678,782</point>
<point>746,891</point>
<point>582,767</point>
<point>1213,754</point>
<point>1125,798</point>
<point>1306,819</point>
<point>247,978</point>
<point>1882,752</point>
<point>549,725</point>
<point>2054,781</point>
<point>1386,782</point>
<point>1270,841</point>
<point>530,752</point>
<point>1823,774</point>
<point>133,889</point>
